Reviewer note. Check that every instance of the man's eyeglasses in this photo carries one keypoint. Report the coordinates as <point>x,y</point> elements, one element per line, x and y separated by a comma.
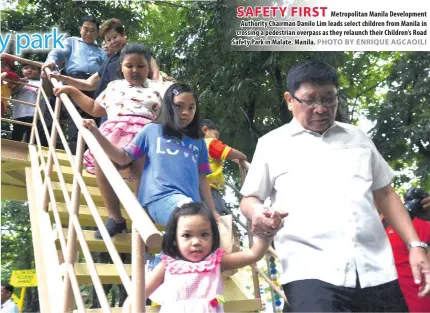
<point>312,103</point>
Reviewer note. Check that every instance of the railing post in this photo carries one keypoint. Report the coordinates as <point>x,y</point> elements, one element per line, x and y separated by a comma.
<point>254,272</point>
<point>33,129</point>
<point>57,111</point>
<point>271,289</point>
<point>248,224</point>
<point>70,256</point>
<point>138,296</point>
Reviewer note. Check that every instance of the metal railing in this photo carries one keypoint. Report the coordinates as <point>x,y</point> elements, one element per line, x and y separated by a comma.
<point>145,233</point>
<point>271,252</point>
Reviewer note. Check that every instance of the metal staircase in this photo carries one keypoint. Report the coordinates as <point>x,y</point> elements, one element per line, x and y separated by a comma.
<point>64,202</point>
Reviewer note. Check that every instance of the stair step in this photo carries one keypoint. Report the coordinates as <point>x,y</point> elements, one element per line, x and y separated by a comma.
<point>236,300</point>
<point>149,309</point>
<point>63,159</point>
<point>248,305</point>
<point>94,192</point>
<point>122,242</point>
<point>85,216</point>
<point>107,272</point>
<point>67,171</point>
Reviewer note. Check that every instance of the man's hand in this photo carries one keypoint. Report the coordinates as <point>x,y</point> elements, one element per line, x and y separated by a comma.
<point>277,218</point>
<point>49,65</point>
<point>57,76</point>
<point>266,222</point>
<point>420,266</point>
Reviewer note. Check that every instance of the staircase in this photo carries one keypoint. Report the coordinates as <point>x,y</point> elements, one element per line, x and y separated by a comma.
<point>65,203</point>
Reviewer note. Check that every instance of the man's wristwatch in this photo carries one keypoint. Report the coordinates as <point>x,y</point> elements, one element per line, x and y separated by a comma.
<point>419,244</point>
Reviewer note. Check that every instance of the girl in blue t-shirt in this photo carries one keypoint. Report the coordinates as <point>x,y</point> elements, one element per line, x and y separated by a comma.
<point>176,157</point>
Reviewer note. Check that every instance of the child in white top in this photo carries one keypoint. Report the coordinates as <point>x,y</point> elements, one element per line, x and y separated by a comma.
<point>130,104</point>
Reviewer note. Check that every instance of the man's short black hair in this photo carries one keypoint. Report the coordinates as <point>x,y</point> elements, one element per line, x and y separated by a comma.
<point>209,124</point>
<point>90,19</point>
<point>311,71</point>
<point>8,287</point>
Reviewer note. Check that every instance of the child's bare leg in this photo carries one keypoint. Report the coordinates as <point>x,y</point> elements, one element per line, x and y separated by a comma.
<point>109,196</point>
<point>136,171</point>
<point>116,223</point>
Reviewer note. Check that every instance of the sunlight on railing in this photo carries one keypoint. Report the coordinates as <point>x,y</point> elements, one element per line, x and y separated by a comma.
<point>46,160</point>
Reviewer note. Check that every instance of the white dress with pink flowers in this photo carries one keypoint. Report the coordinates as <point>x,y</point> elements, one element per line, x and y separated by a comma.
<point>191,287</point>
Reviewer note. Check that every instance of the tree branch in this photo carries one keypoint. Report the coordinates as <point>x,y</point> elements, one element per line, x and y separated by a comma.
<point>411,101</point>
<point>284,113</point>
<point>423,150</point>
<point>251,124</point>
<point>364,92</point>
<point>170,4</point>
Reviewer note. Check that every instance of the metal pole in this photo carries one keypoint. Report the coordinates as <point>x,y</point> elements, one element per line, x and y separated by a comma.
<point>138,297</point>
<point>52,144</point>
<point>71,237</point>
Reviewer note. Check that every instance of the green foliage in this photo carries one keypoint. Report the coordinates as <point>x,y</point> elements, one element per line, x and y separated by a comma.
<point>16,245</point>
<point>402,131</point>
<point>243,91</point>
<point>38,16</point>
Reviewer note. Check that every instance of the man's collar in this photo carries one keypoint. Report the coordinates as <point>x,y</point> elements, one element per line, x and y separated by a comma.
<point>93,44</point>
<point>296,128</point>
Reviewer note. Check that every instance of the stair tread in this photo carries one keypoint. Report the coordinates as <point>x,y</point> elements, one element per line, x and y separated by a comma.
<point>149,309</point>
<point>67,171</point>
<point>94,192</point>
<point>122,242</point>
<point>236,300</point>
<point>85,216</point>
<point>107,272</point>
<point>247,305</point>
<point>63,159</point>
